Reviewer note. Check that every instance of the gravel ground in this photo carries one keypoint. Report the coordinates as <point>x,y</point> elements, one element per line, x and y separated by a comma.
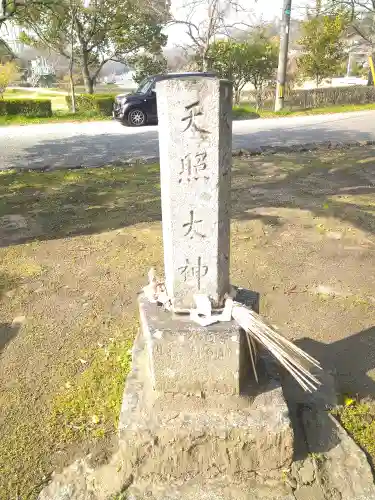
<point>99,143</point>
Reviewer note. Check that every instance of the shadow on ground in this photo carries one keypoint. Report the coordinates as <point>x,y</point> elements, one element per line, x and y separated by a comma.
<point>93,150</point>
<point>328,183</point>
<point>7,333</point>
<point>87,150</point>
<point>345,364</point>
<point>302,130</point>
<point>350,359</point>
<point>49,205</point>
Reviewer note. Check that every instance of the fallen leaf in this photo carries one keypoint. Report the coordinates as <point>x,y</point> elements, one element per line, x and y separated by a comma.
<point>349,401</point>
<point>287,292</point>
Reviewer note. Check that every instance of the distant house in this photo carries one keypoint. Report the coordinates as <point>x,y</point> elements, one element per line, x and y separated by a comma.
<point>10,33</point>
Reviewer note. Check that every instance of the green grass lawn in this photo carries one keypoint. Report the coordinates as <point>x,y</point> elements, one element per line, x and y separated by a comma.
<point>61,113</point>
<point>57,100</point>
<point>60,109</point>
<point>57,117</point>
<point>245,111</point>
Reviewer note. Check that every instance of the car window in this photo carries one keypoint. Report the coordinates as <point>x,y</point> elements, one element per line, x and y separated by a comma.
<point>145,86</point>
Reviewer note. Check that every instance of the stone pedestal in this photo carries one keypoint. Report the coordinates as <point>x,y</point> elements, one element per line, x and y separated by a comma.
<point>188,359</point>
<point>191,408</point>
<point>168,436</point>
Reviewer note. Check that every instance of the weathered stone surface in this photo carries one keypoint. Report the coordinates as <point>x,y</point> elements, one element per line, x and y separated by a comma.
<point>313,492</point>
<point>80,481</point>
<point>70,484</point>
<point>216,489</point>
<point>166,436</point>
<point>189,359</point>
<point>344,470</point>
<point>307,471</point>
<point>195,143</point>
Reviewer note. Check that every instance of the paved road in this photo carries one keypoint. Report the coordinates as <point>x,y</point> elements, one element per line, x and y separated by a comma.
<point>100,143</point>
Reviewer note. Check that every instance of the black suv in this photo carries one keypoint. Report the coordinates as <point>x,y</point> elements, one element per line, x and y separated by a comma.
<point>139,108</point>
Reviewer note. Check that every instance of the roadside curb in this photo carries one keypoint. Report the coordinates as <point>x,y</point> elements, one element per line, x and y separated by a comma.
<point>248,152</point>
<point>301,148</point>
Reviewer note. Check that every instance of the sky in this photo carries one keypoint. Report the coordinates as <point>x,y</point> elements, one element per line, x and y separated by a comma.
<point>265,10</point>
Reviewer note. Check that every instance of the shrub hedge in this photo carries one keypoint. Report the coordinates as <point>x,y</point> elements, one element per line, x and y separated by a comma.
<point>98,103</point>
<point>330,96</point>
<point>318,98</point>
<point>38,108</point>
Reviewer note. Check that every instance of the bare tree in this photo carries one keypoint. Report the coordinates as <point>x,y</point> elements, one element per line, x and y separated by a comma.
<point>109,30</point>
<point>362,21</point>
<point>362,16</point>
<point>207,20</point>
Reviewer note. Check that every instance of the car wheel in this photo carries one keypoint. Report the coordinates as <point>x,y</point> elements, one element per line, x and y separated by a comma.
<point>136,118</point>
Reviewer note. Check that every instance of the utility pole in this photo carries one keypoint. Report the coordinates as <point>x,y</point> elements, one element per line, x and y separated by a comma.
<point>283,55</point>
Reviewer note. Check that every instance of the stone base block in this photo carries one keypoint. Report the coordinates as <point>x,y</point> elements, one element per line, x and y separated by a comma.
<point>216,489</point>
<point>166,436</point>
<point>188,359</point>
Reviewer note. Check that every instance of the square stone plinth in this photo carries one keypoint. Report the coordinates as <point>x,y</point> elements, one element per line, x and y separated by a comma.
<point>168,436</point>
<point>188,359</point>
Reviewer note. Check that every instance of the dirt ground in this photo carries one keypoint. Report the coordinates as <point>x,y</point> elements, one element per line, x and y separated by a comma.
<point>76,247</point>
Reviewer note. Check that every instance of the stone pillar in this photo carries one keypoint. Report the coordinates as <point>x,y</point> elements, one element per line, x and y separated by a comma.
<point>195,140</point>
<point>191,409</point>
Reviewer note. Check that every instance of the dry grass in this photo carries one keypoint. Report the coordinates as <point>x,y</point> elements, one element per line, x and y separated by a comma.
<point>76,247</point>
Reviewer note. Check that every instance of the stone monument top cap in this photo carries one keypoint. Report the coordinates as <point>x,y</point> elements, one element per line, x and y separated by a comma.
<point>189,75</point>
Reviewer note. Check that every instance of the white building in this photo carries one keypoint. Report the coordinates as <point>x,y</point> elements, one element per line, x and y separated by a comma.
<point>10,33</point>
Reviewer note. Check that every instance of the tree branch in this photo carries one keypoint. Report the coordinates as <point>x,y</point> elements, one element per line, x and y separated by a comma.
<point>10,7</point>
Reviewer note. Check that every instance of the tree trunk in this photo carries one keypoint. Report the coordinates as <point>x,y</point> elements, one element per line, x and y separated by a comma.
<point>259,101</point>
<point>72,89</point>
<point>89,84</point>
<point>88,79</point>
<point>237,95</point>
<point>205,66</point>
<point>71,65</point>
<point>206,63</point>
<point>258,87</point>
